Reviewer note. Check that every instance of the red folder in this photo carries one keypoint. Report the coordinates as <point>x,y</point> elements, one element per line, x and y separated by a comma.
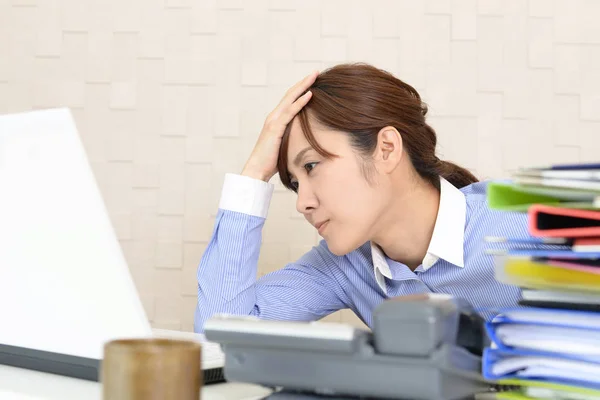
<point>548,221</point>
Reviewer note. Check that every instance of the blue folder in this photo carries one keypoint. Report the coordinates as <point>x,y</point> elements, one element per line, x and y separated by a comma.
<point>583,321</point>
<point>591,255</point>
<point>544,316</point>
<point>492,356</point>
<point>575,166</point>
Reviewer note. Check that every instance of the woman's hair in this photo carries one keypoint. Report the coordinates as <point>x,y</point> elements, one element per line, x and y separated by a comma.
<point>360,100</point>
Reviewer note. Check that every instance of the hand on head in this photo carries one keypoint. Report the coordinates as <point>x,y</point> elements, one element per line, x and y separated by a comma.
<point>262,163</point>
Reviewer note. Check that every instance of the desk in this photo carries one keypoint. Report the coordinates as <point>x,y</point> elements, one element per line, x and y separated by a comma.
<point>24,384</point>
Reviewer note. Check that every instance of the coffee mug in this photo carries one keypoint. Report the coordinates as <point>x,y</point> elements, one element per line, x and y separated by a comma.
<point>151,369</point>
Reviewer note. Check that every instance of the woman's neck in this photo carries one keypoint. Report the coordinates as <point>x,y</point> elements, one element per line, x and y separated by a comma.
<point>407,224</point>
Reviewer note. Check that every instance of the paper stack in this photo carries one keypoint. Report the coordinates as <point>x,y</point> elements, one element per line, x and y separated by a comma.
<point>550,347</point>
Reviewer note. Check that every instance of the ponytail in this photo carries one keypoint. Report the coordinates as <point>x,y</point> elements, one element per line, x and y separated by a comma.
<point>420,143</point>
<point>456,175</point>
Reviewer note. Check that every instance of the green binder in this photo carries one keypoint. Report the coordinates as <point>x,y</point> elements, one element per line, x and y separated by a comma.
<point>512,197</point>
<point>532,389</point>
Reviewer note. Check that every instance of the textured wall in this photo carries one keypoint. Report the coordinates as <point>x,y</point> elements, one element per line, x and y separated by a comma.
<point>171,94</point>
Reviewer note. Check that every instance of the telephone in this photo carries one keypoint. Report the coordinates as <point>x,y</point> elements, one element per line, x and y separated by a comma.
<point>425,346</point>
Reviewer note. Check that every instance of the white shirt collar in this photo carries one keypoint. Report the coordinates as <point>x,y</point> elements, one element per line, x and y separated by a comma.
<point>447,240</point>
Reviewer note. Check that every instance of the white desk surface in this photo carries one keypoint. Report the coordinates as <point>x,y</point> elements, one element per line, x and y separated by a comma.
<point>23,384</point>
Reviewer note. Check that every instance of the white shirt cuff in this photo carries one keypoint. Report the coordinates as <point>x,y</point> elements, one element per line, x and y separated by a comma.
<point>246,195</point>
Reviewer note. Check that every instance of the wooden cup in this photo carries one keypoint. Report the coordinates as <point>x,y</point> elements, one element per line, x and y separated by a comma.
<point>151,369</point>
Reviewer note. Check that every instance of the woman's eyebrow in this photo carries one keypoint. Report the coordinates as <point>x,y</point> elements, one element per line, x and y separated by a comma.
<point>299,156</point>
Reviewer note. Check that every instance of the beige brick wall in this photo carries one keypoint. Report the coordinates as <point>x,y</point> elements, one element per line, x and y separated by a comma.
<point>171,94</point>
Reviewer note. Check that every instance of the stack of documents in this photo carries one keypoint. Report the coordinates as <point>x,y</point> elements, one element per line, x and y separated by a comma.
<point>550,347</point>
<point>572,186</point>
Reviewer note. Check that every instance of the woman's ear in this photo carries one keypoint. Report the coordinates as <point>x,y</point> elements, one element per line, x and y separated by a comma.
<point>389,151</point>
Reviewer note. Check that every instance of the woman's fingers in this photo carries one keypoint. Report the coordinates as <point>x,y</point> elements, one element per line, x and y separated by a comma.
<point>262,163</point>
<point>293,109</point>
<point>296,91</point>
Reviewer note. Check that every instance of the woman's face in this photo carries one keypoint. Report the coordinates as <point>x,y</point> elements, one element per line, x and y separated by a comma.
<point>334,194</point>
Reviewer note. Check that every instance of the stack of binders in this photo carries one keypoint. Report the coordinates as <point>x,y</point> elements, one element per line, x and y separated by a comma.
<point>549,347</point>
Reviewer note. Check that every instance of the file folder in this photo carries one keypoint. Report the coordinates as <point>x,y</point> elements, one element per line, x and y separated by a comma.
<point>579,266</point>
<point>560,300</point>
<point>572,256</point>
<point>550,367</point>
<point>569,167</point>
<point>560,305</point>
<point>551,221</point>
<point>573,319</point>
<point>587,244</point>
<point>559,332</point>
<point>591,185</point>
<point>511,197</point>
<point>552,339</point>
<point>530,273</point>
<point>532,390</point>
<point>582,262</point>
<point>575,174</point>
<point>542,344</point>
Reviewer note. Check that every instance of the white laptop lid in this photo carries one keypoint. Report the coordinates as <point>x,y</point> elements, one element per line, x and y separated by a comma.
<point>64,282</point>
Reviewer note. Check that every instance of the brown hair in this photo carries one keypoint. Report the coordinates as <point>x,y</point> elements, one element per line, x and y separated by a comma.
<point>361,100</point>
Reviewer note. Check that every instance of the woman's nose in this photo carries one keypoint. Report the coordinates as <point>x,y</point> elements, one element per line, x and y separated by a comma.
<point>306,201</point>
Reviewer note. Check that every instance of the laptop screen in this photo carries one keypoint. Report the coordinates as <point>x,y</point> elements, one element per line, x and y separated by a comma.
<point>64,282</point>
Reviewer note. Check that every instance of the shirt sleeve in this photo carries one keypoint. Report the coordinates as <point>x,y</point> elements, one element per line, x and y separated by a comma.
<point>246,195</point>
<point>303,290</point>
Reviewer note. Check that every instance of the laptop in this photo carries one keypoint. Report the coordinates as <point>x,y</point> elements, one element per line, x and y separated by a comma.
<point>65,287</point>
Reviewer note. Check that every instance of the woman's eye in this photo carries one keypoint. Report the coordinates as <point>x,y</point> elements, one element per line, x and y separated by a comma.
<point>309,166</point>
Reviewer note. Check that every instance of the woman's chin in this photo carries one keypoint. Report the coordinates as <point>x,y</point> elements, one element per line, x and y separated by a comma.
<point>340,247</point>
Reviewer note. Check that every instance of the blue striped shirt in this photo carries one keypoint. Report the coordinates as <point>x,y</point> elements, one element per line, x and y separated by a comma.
<point>320,283</point>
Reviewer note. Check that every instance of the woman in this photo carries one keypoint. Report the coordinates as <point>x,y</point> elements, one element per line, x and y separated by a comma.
<point>353,143</point>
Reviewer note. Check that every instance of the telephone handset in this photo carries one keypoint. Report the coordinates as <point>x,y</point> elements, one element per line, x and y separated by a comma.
<point>425,322</point>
